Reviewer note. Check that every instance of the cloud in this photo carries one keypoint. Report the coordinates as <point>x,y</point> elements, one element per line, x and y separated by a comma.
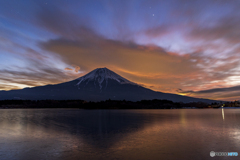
<point>76,69</point>
<point>37,70</point>
<point>34,77</point>
<point>68,69</point>
<point>226,29</point>
<point>226,93</point>
<point>103,52</point>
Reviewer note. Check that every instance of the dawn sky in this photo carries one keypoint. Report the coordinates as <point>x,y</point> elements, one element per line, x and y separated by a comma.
<point>185,47</point>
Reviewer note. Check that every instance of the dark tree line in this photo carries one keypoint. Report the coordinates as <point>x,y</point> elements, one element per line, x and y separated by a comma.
<point>108,104</point>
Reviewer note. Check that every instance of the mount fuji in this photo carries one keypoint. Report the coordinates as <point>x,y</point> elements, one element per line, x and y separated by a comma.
<point>98,85</point>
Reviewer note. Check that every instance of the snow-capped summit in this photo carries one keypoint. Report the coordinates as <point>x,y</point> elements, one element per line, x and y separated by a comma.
<point>100,76</point>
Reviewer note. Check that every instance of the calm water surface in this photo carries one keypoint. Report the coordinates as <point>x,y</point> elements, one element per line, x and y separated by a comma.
<point>27,134</point>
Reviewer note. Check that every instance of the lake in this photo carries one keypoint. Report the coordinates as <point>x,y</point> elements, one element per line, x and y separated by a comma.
<point>69,134</point>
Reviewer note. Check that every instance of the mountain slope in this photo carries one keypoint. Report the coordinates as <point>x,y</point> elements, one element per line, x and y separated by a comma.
<point>100,84</point>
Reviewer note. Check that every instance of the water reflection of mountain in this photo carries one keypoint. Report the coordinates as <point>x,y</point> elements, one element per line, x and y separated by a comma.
<point>100,128</point>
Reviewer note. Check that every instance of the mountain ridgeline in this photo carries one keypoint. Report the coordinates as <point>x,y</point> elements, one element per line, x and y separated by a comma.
<point>98,85</point>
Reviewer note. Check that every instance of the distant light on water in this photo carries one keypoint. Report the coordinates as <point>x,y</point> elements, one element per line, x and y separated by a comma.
<point>222,112</point>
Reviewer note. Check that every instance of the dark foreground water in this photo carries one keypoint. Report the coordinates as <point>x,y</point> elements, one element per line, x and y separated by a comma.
<point>188,134</point>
